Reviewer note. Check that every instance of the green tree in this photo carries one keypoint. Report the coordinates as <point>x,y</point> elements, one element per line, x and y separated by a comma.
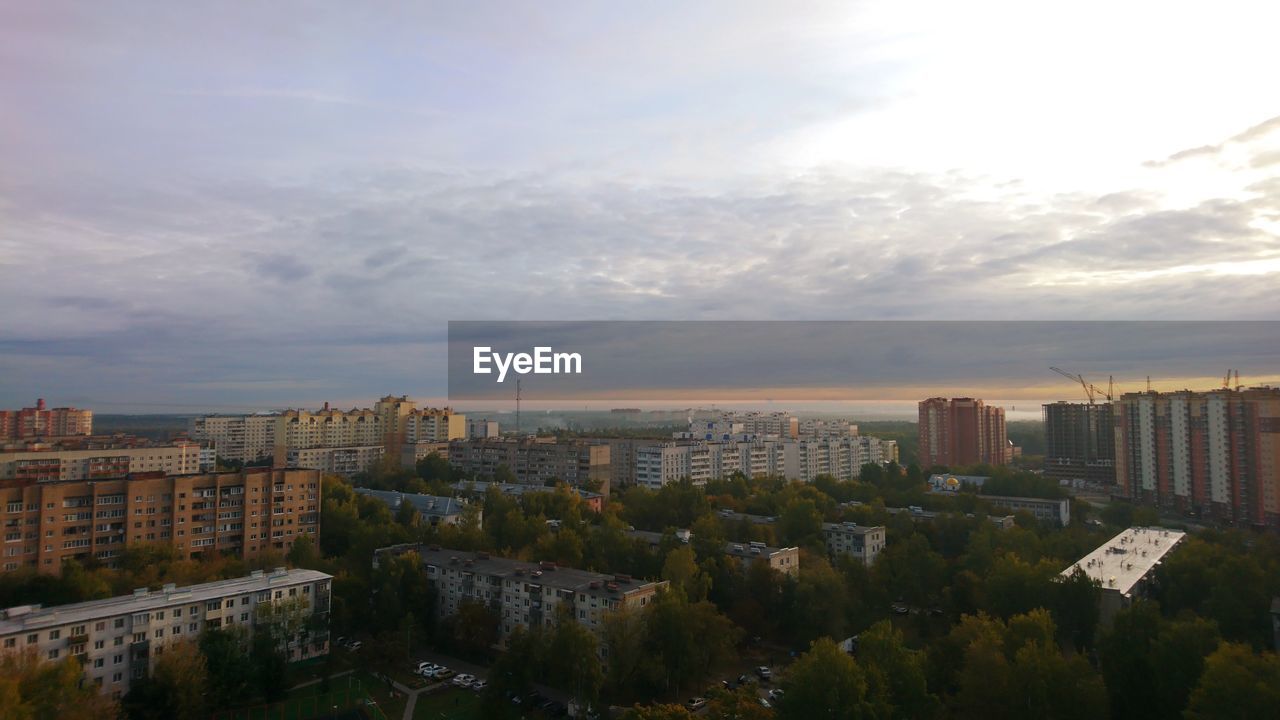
<point>227,662</point>
<point>34,689</point>
<point>572,661</point>
<point>682,571</point>
<point>826,683</point>
<point>1237,683</point>
<point>895,672</point>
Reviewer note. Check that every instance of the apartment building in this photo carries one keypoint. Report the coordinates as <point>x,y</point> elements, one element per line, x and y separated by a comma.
<point>525,594</point>
<point>534,461</point>
<point>1055,510</point>
<point>804,460</point>
<point>119,640</point>
<point>864,542</point>
<point>248,514</point>
<point>239,438</point>
<point>435,425</point>
<point>962,431</point>
<point>411,453</point>
<point>44,422</point>
<point>331,440</point>
<point>1123,566</point>
<point>1080,442</point>
<point>430,509</point>
<point>181,457</point>
<point>480,428</point>
<point>1214,454</point>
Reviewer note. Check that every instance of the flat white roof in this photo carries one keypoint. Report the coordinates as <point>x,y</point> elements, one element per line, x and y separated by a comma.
<point>1125,559</point>
<point>129,604</point>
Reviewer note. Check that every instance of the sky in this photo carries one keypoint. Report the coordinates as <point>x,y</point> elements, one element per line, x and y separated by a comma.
<point>209,205</point>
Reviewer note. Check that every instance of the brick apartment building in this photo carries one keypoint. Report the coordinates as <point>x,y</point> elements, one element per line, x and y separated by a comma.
<point>961,431</point>
<point>247,514</point>
<point>44,422</point>
<point>534,461</point>
<point>1214,454</point>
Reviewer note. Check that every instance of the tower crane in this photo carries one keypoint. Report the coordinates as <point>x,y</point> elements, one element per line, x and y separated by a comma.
<point>1090,390</point>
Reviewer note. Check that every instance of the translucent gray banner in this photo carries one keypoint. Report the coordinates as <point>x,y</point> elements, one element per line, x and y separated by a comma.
<point>834,360</point>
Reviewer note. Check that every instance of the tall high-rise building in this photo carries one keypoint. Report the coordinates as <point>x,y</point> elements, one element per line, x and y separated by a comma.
<point>1214,453</point>
<point>961,431</point>
<point>44,422</point>
<point>1080,442</point>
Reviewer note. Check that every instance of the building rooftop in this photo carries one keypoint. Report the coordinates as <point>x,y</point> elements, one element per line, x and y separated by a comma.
<point>425,504</point>
<point>29,617</point>
<point>546,573</point>
<point>1121,562</point>
<point>850,527</point>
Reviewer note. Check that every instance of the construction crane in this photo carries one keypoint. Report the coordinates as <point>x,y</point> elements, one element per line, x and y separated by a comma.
<point>1226,381</point>
<point>1090,390</point>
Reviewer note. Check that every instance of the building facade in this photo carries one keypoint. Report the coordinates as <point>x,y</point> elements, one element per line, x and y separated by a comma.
<point>1214,454</point>
<point>1080,442</point>
<point>961,431</point>
<point>119,640</point>
<point>248,514</point>
<point>337,460</point>
<point>44,422</point>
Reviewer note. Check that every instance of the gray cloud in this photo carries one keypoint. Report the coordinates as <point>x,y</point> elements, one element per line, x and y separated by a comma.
<point>1256,132</point>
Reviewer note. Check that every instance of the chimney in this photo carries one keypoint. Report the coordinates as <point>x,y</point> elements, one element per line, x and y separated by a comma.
<point>326,405</point>
<point>39,403</point>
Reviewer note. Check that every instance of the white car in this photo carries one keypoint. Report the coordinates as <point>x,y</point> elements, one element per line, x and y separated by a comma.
<point>354,645</point>
<point>464,680</point>
<point>426,668</point>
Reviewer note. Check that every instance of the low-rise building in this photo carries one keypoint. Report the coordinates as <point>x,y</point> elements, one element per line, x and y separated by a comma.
<point>525,594</point>
<point>950,482</point>
<point>863,542</point>
<point>1057,510</point>
<point>431,509</point>
<point>118,640</point>
<point>1122,566</point>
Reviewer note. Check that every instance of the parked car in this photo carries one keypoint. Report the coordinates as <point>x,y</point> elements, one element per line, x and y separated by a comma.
<point>443,673</point>
<point>696,704</point>
<point>341,641</point>
<point>426,668</point>
<point>354,645</point>
<point>775,694</point>
<point>463,679</point>
<point>479,685</point>
<point>899,609</point>
<point>765,703</point>
<point>745,679</point>
<point>764,672</point>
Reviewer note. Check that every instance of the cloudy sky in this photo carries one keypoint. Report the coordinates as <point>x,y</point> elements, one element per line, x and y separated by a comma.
<point>216,205</point>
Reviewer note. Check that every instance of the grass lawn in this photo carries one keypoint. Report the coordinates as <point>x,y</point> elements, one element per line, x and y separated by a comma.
<point>306,703</point>
<point>452,704</point>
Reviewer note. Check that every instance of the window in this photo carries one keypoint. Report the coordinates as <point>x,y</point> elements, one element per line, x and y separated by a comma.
<point>33,639</point>
<point>119,623</point>
<point>55,634</point>
<point>10,643</point>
